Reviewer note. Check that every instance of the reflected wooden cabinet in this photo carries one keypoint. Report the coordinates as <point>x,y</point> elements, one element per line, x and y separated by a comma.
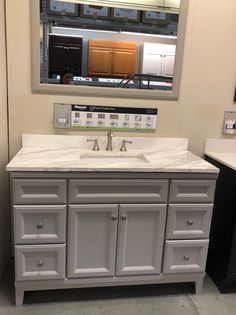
<point>111,58</point>
<point>64,52</point>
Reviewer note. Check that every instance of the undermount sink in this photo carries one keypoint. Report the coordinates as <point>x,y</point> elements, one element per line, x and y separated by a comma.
<point>108,157</point>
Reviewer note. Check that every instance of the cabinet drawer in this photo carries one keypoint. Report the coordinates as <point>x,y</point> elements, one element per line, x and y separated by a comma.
<point>117,190</point>
<point>192,190</point>
<point>40,262</point>
<point>185,256</point>
<point>39,191</point>
<point>39,224</point>
<point>187,221</point>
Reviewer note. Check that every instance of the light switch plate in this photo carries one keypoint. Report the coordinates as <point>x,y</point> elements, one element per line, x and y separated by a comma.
<point>229,124</point>
<point>62,115</point>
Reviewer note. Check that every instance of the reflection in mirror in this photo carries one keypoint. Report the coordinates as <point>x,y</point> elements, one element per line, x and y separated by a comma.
<point>118,45</point>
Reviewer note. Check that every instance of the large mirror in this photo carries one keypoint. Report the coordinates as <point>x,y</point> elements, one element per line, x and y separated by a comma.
<point>125,49</point>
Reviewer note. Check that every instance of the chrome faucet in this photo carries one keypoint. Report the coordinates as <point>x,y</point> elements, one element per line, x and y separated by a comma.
<point>110,135</point>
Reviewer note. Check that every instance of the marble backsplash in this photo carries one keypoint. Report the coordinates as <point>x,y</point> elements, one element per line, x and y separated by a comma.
<point>75,141</point>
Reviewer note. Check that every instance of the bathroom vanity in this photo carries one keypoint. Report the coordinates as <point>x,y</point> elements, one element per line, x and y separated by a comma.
<point>86,219</point>
<point>221,263</point>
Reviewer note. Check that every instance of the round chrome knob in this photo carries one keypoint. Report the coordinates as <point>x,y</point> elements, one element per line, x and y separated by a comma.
<point>189,222</point>
<point>186,257</point>
<point>40,225</point>
<point>123,217</point>
<point>113,217</point>
<point>40,263</point>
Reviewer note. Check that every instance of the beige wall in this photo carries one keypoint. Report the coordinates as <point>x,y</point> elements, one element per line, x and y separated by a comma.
<point>207,85</point>
<point>4,189</point>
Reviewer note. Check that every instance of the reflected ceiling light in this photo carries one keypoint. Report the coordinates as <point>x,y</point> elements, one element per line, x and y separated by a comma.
<point>79,29</point>
<point>168,6</point>
<point>150,35</point>
<point>61,28</point>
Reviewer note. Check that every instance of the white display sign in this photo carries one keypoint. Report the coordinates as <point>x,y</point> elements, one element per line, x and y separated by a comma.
<point>116,118</point>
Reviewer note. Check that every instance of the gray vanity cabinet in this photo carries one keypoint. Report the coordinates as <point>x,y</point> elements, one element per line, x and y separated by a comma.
<point>87,229</point>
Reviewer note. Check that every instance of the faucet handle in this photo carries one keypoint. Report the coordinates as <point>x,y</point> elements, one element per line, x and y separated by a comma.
<point>123,147</point>
<point>95,147</point>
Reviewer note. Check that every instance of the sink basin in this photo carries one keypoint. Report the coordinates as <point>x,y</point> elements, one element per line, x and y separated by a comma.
<point>110,157</point>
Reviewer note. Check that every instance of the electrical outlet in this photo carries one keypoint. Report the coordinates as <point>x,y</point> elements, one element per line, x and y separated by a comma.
<point>229,125</point>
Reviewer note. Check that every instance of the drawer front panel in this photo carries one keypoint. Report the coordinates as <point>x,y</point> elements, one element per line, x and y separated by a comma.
<point>185,256</point>
<point>186,221</point>
<point>40,262</point>
<point>39,191</point>
<point>192,190</point>
<point>117,190</point>
<point>39,224</point>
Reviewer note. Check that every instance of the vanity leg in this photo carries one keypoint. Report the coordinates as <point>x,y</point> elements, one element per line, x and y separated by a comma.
<point>19,296</point>
<point>198,286</point>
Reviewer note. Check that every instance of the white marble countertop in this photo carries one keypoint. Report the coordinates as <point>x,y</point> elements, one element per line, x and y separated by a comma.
<point>222,150</point>
<point>73,153</point>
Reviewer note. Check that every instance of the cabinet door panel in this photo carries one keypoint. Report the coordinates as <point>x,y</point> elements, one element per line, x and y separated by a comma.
<point>100,61</point>
<point>168,62</point>
<point>64,52</point>
<point>123,62</point>
<point>74,58</point>
<point>92,240</point>
<point>141,236</point>
<point>57,64</point>
<point>152,63</point>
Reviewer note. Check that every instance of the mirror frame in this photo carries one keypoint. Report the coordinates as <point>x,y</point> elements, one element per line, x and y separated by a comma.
<point>91,91</point>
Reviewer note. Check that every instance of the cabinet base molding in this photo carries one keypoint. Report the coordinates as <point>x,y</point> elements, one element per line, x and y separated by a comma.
<point>22,286</point>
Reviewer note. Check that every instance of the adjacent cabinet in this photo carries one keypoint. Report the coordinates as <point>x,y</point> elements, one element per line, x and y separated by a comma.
<point>221,263</point>
<point>82,230</point>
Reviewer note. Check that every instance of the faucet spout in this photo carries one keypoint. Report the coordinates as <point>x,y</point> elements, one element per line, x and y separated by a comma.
<point>110,135</point>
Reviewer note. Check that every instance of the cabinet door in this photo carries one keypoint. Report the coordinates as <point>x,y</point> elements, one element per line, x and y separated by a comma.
<point>168,61</point>
<point>74,58</point>
<point>92,240</point>
<point>140,239</point>
<point>57,58</point>
<point>123,62</point>
<point>152,63</point>
<point>100,61</point>
<point>64,52</point>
